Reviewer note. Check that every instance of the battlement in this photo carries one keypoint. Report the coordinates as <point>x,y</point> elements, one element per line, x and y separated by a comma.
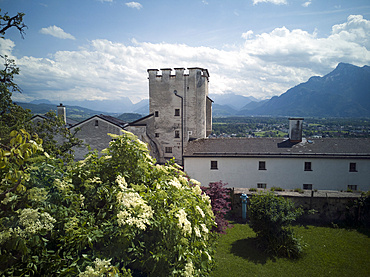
<point>166,73</point>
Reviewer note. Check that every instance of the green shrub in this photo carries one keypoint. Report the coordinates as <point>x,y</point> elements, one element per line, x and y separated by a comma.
<point>114,215</point>
<point>276,189</point>
<point>270,218</point>
<point>252,189</point>
<point>299,190</point>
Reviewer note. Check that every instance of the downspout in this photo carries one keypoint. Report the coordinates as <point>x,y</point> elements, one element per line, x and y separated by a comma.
<point>182,128</point>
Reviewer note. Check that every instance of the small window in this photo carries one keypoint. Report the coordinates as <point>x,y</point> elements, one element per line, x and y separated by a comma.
<point>352,187</point>
<point>96,122</point>
<point>156,113</point>
<point>352,167</point>
<point>214,165</point>
<point>307,186</point>
<point>157,135</point>
<point>177,134</point>
<point>307,166</point>
<point>261,185</point>
<point>262,166</point>
<point>168,149</point>
<point>177,112</point>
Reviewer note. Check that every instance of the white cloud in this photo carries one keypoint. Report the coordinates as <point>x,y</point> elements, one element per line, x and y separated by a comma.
<point>204,2</point>
<point>56,32</point>
<point>306,4</point>
<point>265,65</point>
<point>134,5</point>
<point>276,2</point>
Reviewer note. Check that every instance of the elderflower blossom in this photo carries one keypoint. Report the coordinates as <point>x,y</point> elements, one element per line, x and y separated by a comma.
<point>33,221</point>
<point>5,235</point>
<point>140,220</point>
<point>204,228</point>
<point>206,198</point>
<point>183,223</point>
<point>195,182</point>
<point>183,180</point>
<point>189,269</point>
<point>121,182</point>
<point>62,185</point>
<point>102,267</point>
<point>200,211</point>
<point>175,182</point>
<point>197,231</point>
<point>136,211</point>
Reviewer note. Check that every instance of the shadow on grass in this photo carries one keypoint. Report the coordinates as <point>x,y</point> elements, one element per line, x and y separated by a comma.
<point>248,249</point>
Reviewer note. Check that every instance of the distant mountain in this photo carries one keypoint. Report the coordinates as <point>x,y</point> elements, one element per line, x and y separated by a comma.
<point>74,112</point>
<point>344,92</point>
<point>232,100</point>
<point>41,101</point>
<point>129,117</point>
<point>222,110</point>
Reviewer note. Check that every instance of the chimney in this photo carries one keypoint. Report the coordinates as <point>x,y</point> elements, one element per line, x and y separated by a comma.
<point>295,129</point>
<point>62,112</point>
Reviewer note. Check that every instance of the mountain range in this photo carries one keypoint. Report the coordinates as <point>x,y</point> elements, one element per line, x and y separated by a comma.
<point>344,92</point>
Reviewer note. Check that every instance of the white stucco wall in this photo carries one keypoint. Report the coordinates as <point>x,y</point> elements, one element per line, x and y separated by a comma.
<point>287,173</point>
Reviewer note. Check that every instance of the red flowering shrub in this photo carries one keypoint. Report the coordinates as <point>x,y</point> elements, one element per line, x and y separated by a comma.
<point>220,205</point>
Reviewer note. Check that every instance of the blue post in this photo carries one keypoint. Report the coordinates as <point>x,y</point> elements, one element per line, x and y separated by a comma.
<point>244,198</point>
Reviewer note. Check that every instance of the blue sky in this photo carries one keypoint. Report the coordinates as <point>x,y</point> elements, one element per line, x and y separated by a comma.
<point>91,50</point>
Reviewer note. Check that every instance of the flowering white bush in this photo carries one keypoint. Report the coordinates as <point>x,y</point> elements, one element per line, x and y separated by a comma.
<point>112,214</point>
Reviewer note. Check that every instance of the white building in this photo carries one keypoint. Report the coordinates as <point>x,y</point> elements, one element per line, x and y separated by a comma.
<point>323,164</point>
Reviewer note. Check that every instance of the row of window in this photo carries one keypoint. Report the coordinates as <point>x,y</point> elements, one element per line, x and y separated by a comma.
<point>305,186</point>
<point>307,166</point>
<point>177,113</point>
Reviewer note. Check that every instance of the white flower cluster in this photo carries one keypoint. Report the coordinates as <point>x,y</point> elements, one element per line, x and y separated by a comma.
<point>136,211</point>
<point>33,222</point>
<point>175,182</point>
<point>5,235</point>
<point>195,182</point>
<point>189,269</point>
<point>102,267</point>
<point>200,211</point>
<point>183,223</point>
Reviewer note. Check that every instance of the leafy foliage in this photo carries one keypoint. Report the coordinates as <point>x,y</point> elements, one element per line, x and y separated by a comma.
<point>270,217</point>
<point>58,140</point>
<point>118,214</point>
<point>220,205</point>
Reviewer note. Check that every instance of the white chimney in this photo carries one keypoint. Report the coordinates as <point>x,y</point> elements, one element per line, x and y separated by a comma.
<point>295,129</point>
<point>62,112</point>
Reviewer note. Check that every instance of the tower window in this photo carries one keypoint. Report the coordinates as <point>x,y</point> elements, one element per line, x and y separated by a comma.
<point>157,135</point>
<point>352,167</point>
<point>168,149</point>
<point>261,165</point>
<point>214,165</point>
<point>307,166</point>
<point>177,112</point>
<point>177,134</point>
<point>156,113</point>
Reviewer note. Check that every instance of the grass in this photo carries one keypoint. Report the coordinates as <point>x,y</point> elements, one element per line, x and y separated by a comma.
<point>329,252</point>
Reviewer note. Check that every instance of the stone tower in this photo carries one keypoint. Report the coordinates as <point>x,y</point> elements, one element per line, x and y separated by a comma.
<point>181,110</point>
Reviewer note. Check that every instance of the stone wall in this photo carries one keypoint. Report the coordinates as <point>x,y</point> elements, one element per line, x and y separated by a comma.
<point>325,206</point>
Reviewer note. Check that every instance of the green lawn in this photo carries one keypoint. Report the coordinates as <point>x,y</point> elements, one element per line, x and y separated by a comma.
<point>329,252</point>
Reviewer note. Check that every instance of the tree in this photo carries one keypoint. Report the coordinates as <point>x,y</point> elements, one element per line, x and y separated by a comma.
<point>12,116</point>
<point>58,140</point>
<point>270,218</point>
